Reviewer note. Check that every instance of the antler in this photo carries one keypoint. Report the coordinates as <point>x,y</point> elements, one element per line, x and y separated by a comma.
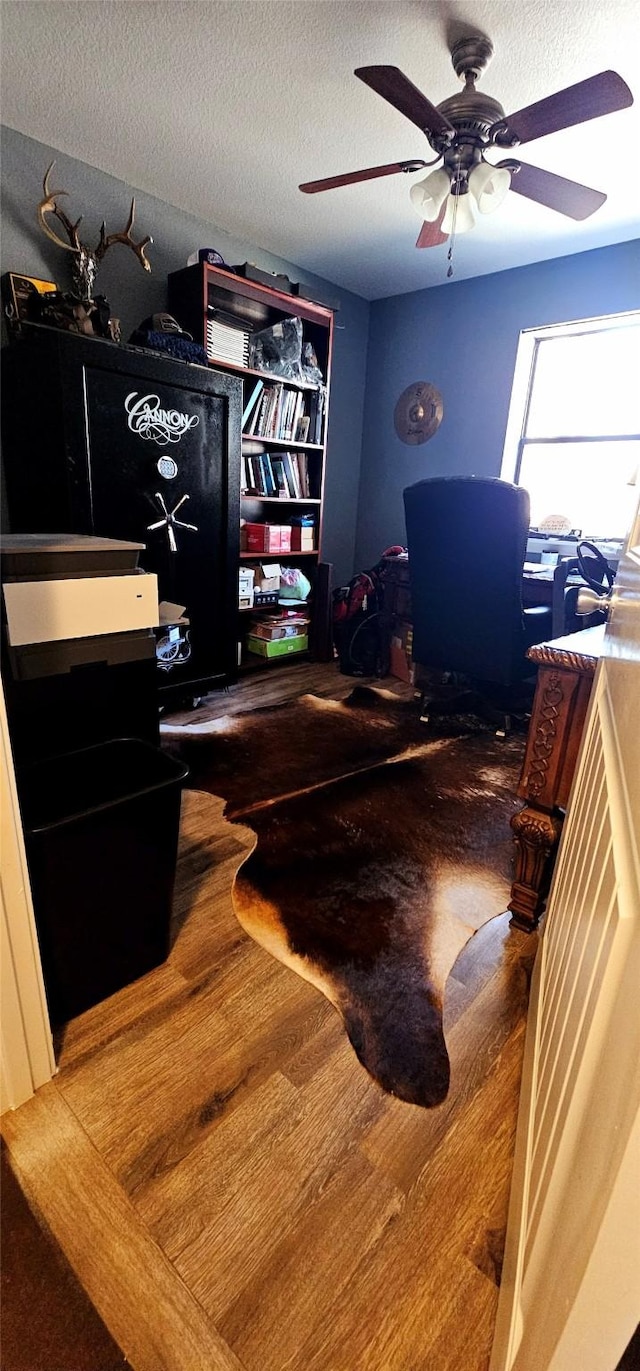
<point>125,237</point>
<point>48,206</point>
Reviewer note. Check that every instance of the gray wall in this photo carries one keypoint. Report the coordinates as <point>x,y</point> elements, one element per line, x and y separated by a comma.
<point>463,338</point>
<point>133,293</point>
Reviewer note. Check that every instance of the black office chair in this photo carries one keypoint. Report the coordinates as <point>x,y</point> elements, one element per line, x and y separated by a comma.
<point>467,539</point>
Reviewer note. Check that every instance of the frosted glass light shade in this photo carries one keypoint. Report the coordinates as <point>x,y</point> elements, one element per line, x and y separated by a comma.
<point>428,196</point>
<point>465,217</point>
<point>489,185</point>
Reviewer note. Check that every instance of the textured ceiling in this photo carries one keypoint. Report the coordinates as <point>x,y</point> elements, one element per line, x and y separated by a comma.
<point>222,108</point>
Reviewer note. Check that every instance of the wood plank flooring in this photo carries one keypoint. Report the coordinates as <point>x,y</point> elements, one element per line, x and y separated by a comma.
<point>231,1187</point>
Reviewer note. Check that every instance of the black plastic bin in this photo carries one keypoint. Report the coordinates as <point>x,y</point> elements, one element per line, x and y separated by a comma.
<point>101,834</point>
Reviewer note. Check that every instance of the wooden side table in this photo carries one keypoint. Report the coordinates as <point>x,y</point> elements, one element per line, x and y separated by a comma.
<point>566,668</point>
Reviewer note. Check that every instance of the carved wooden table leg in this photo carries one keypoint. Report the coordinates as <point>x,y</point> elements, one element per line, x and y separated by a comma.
<point>566,668</point>
<point>536,836</point>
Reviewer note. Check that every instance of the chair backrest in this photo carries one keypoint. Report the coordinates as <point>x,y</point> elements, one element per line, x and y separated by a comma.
<point>466,538</point>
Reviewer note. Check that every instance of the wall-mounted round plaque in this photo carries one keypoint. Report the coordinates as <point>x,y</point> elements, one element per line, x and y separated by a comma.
<point>418,412</point>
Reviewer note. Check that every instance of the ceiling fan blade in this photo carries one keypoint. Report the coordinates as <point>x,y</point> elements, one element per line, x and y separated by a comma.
<point>431,235</point>
<point>368,174</point>
<point>392,85</point>
<point>598,95</point>
<point>556,192</point>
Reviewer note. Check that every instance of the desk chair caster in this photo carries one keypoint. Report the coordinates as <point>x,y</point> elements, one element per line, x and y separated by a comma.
<point>445,693</point>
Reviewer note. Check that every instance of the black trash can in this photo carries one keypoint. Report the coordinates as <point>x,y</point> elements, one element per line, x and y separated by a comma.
<point>101,834</point>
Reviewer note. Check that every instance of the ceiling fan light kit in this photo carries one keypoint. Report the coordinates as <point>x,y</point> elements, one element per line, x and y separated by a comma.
<point>459,214</point>
<point>428,196</point>
<point>462,128</point>
<point>488,185</point>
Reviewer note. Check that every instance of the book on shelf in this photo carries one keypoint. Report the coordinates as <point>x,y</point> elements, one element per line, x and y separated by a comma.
<point>276,411</point>
<point>280,478</point>
<point>316,415</point>
<point>268,484</point>
<point>258,479</point>
<point>251,402</point>
<point>303,472</point>
<point>285,475</point>
<point>292,476</point>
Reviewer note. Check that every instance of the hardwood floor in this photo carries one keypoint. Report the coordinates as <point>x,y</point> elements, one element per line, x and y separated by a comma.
<point>231,1187</point>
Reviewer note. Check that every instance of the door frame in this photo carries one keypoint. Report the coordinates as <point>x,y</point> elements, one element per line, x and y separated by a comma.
<point>27,1057</point>
<point>583,1313</point>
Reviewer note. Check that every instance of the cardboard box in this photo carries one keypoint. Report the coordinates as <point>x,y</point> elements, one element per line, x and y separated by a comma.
<point>279,627</point>
<point>302,539</point>
<point>280,647</point>
<point>267,577</point>
<point>401,653</point>
<point>245,587</point>
<point>285,537</point>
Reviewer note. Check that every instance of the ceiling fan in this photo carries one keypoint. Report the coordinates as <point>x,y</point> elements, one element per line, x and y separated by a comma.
<point>460,131</point>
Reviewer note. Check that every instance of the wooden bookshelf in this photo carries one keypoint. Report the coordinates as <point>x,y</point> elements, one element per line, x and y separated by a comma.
<point>276,556</point>
<point>282,442</point>
<point>200,294</point>
<point>276,499</point>
<point>268,376</point>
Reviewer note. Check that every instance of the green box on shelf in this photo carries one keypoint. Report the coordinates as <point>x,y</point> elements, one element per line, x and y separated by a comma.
<point>280,647</point>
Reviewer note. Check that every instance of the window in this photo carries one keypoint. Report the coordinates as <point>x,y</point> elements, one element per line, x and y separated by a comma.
<point>573,436</point>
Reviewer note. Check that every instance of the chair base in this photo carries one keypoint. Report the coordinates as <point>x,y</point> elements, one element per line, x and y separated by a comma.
<point>507,708</point>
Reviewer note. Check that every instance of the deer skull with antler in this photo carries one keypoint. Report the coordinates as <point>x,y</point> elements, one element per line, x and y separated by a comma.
<point>87,260</point>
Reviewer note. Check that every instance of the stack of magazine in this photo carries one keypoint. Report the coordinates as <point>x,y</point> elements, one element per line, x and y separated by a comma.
<point>227,338</point>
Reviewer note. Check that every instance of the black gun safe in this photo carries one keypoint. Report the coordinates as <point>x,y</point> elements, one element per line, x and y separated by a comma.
<point>122,443</point>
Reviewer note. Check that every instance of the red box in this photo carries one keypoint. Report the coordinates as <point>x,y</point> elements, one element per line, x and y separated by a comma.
<point>285,538</point>
<point>263,537</point>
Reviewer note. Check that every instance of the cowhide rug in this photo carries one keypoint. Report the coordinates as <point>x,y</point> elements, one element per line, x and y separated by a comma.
<point>380,849</point>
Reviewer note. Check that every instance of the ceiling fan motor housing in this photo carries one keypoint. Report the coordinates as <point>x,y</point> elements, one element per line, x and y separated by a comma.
<point>472,113</point>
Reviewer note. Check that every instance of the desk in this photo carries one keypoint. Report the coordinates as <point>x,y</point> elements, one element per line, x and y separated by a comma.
<point>538,588</point>
<point>566,668</point>
<point>537,585</point>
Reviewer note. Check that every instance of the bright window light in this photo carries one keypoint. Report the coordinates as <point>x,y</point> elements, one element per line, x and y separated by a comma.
<point>587,482</point>
<point>573,436</point>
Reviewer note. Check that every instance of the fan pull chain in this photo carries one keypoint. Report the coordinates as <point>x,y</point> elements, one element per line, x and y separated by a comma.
<point>452,239</point>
